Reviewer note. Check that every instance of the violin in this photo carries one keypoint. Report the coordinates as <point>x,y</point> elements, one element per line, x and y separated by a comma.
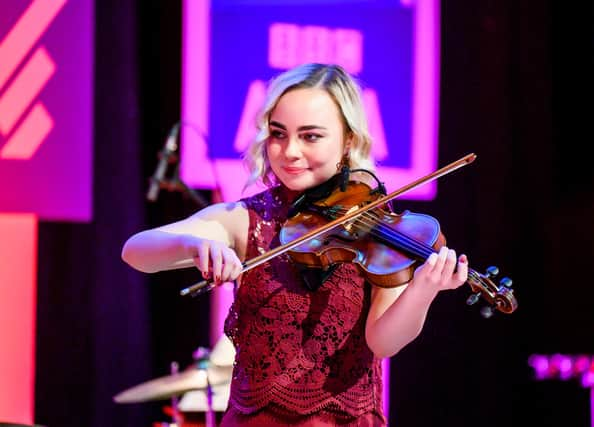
<point>350,222</point>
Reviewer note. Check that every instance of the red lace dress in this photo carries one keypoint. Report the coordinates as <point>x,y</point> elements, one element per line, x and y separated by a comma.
<point>301,356</point>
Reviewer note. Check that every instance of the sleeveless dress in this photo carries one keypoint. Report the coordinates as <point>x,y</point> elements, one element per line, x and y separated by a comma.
<point>301,356</point>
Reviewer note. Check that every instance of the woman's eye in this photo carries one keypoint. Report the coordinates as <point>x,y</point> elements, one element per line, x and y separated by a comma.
<point>276,134</point>
<point>311,137</point>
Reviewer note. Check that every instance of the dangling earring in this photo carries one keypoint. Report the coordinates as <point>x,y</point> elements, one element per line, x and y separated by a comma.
<point>344,169</point>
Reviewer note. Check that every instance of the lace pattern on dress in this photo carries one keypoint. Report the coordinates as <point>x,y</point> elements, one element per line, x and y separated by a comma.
<point>296,350</point>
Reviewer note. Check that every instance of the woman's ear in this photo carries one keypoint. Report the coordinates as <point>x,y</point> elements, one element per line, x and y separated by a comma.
<point>348,143</point>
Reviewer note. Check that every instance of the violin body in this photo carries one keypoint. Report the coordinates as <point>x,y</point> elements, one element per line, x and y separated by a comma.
<point>386,246</point>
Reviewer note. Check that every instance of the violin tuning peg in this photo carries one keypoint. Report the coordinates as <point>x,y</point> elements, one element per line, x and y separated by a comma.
<point>506,282</point>
<point>473,298</point>
<point>492,271</point>
<point>487,312</point>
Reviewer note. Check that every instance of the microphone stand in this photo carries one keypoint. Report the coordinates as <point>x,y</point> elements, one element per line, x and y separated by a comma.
<point>176,416</point>
<point>178,184</point>
<point>168,155</point>
<point>202,358</point>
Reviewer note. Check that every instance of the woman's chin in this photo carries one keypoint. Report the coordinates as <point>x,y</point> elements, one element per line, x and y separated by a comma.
<point>300,183</point>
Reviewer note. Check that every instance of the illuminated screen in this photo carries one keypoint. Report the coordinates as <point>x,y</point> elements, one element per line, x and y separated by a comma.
<point>46,108</point>
<point>281,37</point>
<point>232,48</point>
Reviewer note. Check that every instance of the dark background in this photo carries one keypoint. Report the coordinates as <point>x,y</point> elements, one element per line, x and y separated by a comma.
<point>515,89</point>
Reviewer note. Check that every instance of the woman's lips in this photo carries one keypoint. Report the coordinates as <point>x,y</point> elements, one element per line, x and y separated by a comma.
<point>293,170</point>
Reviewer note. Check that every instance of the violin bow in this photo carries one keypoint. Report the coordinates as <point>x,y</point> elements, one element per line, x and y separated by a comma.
<point>207,284</point>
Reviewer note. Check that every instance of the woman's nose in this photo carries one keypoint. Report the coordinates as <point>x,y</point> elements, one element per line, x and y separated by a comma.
<point>293,148</point>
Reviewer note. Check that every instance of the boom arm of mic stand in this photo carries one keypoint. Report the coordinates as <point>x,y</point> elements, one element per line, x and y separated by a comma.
<point>179,183</point>
<point>197,198</point>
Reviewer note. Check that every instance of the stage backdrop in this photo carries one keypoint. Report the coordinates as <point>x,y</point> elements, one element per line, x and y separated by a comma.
<point>46,51</point>
<point>232,48</point>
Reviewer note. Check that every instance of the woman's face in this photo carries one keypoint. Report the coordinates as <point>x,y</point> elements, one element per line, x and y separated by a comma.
<point>306,138</point>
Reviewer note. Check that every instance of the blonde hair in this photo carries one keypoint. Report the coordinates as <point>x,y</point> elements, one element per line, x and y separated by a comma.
<point>345,91</point>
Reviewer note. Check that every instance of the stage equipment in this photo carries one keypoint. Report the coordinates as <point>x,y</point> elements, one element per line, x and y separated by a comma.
<point>169,156</point>
<point>209,368</point>
<point>193,378</point>
<point>206,382</point>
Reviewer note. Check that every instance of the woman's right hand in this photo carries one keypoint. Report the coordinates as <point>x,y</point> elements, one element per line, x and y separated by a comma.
<point>214,259</point>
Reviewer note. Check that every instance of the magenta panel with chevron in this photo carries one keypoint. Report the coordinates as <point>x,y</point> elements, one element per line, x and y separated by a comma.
<point>46,109</point>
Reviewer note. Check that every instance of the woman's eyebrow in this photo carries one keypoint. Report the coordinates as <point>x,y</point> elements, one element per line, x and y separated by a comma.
<point>278,125</point>
<point>310,127</point>
<point>300,128</point>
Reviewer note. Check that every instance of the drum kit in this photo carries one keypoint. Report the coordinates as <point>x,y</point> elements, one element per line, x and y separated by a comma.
<point>203,387</point>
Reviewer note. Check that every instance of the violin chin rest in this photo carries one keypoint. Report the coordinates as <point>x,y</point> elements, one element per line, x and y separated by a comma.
<point>313,277</point>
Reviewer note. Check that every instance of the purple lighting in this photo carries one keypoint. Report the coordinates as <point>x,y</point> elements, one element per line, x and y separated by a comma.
<point>563,367</point>
<point>563,364</point>
<point>588,378</point>
<point>218,107</point>
<point>46,141</point>
<point>540,364</point>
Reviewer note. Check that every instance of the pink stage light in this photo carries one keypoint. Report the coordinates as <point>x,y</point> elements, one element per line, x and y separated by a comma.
<point>588,378</point>
<point>563,367</point>
<point>540,364</point>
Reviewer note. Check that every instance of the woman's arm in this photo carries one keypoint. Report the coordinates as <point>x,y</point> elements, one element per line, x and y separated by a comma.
<point>212,239</point>
<point>397,315</point>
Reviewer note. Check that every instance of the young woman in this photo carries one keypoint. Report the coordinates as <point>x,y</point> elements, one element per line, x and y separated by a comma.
<point>306,356</point>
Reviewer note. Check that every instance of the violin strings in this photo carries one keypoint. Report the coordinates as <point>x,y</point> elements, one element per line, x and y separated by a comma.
<point>370,222</point>
<point>372,227</point>
<point>375,228</point>
<point>379,230</point>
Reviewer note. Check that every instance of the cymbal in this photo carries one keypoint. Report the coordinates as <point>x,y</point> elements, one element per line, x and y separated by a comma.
<point>223,353</point>
<point>197,400</point>
<point>169,386</point>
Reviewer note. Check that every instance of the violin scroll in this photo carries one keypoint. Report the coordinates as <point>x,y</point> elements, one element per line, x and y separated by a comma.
<point>500,298</point>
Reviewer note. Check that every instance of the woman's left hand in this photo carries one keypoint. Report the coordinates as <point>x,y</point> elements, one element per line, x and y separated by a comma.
<point>441,271</point>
